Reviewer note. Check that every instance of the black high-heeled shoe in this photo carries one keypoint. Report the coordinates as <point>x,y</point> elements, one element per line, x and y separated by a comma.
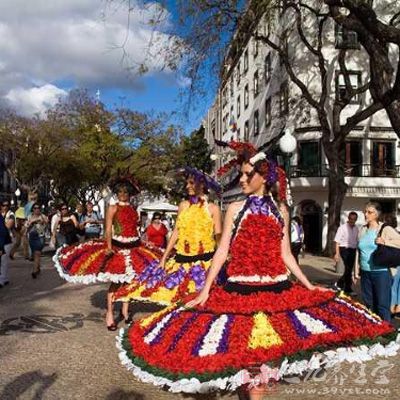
<point>113,327</point>
<point>126,320</point>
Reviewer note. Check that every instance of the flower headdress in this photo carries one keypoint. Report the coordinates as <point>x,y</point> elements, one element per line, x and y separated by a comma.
<point>124,179</point>
<point>209,182</point>
<point>262,162</point>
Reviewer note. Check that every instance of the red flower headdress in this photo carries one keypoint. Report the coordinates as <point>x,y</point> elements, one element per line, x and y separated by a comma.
<point>124,179</point>
<point>266,166</point>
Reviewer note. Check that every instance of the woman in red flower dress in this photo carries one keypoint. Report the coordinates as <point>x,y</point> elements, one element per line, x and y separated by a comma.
<point>259,326</point>
<point>118,258</point>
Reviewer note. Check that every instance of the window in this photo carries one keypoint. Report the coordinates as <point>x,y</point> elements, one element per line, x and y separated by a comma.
<point>224,98</point>
<point>246,60</point>
<point>246,131</point>
<point>255,48</point>
<point>267,68</point>
<point>226,122</point>
<point>383,158</point>
<point>231,86</point>
<point>238,134</point>
<point>355,82</point>
<point>268,112</point>
<point>284,99</point>
<point>345,39</point>
<point>309,159</point>
<point>246,96</point>
<point>223,124</point>
<point>353,158</point>
<point>256,123</point>
<point>238,73</point>
<point>255,84</point>
<point>231,113</point>
<point>238,106</point>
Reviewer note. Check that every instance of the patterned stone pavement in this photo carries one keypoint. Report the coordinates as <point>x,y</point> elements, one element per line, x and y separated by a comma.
<point>54,345</point>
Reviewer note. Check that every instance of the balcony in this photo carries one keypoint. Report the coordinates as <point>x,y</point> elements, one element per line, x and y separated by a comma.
<point>352,170</point>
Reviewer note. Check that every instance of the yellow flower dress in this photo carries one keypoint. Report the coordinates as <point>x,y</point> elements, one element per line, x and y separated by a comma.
<point>184,273</point>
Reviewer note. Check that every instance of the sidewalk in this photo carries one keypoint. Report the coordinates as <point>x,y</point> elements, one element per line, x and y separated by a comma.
<point>54,345</point>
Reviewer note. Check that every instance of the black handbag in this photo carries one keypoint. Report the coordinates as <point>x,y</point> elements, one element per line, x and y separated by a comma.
<point>385,256</point>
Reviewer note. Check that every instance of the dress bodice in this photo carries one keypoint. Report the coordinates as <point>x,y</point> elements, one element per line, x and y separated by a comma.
<point>195,230</point>
<point>255,255</point>
<point>125,224</point>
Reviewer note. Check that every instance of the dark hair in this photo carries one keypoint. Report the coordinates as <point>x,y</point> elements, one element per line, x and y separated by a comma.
<point>62,205</point>
<point>353,213</point>
<point>156,215</point>
<point>125,185</point>
<point>200,184</point>
<point>391,220</point>
<point>34,205</point>
<point>297,219</point>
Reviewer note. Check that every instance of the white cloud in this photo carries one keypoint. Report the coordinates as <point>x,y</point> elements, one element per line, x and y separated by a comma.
<point>34,100</point>
<point>44,42</point>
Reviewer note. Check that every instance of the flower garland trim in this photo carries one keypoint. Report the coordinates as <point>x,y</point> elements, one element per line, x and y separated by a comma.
<point>258,278</point>
<point>230,379</point>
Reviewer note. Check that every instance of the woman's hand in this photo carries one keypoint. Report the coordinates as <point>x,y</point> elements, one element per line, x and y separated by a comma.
<point>380,240</point>
<point>199,300</point>
<point>356,277</point>
<point>321,288</point>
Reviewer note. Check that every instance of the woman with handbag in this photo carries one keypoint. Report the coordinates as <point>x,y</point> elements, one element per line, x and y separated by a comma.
<point>376,279</point>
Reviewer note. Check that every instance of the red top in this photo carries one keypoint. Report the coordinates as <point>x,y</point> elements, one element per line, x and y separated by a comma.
<point>125,221</point>
<point>157,236</point>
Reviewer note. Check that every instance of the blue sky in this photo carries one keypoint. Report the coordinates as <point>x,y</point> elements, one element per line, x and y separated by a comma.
<point>49,48</point>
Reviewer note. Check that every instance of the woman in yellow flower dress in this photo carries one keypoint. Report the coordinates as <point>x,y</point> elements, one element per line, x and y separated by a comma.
<point>197,230</point>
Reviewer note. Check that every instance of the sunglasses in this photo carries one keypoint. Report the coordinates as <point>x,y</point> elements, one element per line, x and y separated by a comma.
<point>5,205</point>
<point>64,208</point>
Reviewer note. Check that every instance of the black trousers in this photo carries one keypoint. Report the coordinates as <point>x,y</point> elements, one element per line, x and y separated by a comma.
<point>296,248</point>
<point>348,256</point>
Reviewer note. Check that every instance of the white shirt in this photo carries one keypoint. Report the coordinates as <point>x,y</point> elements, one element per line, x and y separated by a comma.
<point>347,236</point>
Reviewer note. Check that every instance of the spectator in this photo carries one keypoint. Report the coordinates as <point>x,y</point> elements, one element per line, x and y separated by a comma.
<point>157,232</point>
<point>79,213</point>
<point>36,228</point>
<point>144,222</point>
<point>296,237</point>
<point>9,221</point>
<point>90,222</point>
<point>5,240</point>
<point>346,246</point>
<point>64,228</point>
<point>376,281</point>
<point>20,234</point>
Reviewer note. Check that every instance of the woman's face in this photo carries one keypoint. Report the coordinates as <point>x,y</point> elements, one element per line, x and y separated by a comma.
<point>371,215</point>
<point>64,210</point>
<point>123,194</point>
<point>36,210</point>
<point>191,186</point>
<point>251,182</point>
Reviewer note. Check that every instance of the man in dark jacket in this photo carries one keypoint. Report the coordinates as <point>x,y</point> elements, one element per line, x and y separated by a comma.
<point>5,239</point>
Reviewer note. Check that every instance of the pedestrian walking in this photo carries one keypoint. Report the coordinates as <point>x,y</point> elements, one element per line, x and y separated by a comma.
<point>90,222</point>
<point>20,239</point>
<point>346,240</point>
<point>376,281</point>
<point>5,240</point>
<point>156,232</point>
<point>65,228</point>
<point>36,226</point>
<point>9,221</point>
<point>296,237</point>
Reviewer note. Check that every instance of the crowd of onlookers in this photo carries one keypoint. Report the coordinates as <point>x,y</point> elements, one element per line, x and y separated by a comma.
<point>29,227</point>
<point>354,250</point>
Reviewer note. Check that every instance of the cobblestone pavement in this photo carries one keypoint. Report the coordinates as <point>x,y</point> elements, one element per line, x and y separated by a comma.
<point>54,345</point>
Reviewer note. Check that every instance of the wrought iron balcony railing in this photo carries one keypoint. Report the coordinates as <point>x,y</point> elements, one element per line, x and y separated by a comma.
<point>357,170</point>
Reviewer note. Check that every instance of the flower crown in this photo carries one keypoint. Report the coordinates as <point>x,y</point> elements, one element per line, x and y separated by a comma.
<point>266,166</point>
<point>200,176</point>
<point>126,179</point>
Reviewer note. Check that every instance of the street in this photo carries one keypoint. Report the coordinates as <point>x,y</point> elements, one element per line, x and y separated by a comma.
<point>54,345</point>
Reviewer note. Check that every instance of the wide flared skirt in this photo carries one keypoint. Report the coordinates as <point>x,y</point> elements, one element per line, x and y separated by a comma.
<point>202,349</point>
<point>90,262</point>
<point>166,285</point>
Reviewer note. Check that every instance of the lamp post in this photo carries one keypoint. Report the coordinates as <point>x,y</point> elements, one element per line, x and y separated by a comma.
<point>17,194</point>
<point>287,145</point>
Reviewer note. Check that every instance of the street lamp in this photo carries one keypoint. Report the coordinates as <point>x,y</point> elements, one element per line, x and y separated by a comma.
<point>287,145</point>
<point>17,193</point>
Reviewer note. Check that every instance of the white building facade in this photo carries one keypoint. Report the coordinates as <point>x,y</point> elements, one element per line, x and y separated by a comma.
<point>256,100</point>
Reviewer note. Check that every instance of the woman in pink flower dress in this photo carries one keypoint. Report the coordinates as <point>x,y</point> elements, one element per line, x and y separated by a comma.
<point>118,258</point>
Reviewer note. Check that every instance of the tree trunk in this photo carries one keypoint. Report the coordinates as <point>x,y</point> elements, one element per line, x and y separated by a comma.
<point>336,195</point>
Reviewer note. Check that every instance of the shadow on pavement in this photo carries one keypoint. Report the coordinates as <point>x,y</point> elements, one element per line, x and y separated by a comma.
<point>24,382</point>
<point>122,395</point>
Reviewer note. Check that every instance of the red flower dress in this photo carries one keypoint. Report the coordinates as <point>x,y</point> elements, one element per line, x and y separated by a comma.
<point>89,262</point>
<point>258,321</point>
